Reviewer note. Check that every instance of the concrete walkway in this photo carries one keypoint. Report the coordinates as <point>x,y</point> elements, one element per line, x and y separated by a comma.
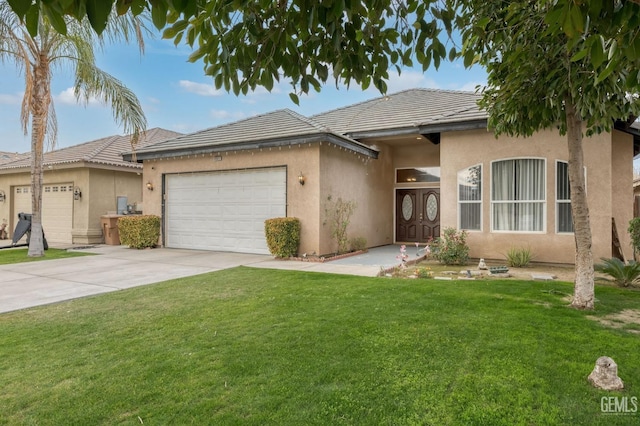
<point>25,285</point>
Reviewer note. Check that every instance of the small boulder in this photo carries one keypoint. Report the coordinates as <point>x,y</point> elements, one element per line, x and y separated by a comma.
<point>605,374</point>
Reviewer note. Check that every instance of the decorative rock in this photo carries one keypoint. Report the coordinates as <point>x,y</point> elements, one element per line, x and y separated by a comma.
<point>605,374</point>
<point>543,277</point>
<point>473,272</point>
<point>482,265</point>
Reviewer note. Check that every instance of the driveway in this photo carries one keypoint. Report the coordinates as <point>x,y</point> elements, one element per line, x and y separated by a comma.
<point>25,285</point>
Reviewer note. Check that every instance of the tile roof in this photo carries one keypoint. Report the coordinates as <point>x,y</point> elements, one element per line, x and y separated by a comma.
<point>409,109</point>
<point>106,151</point>
<point>6,157</point>
<point>281,127</point>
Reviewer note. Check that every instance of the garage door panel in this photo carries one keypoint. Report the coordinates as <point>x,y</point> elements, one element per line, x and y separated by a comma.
<point>223,211</point>
<point>57,209</point>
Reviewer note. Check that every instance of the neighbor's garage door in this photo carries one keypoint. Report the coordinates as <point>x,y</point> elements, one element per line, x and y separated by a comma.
<point>224,211</point>
<point>57,209</point>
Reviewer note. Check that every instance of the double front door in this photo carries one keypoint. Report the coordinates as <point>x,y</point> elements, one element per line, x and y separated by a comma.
<point>417,214</point>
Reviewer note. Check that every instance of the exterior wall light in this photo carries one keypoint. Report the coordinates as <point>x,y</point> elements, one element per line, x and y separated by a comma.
<point>77,194</point>
<point>3,196</point>
<point>149,186</point>
<point>301,178</point>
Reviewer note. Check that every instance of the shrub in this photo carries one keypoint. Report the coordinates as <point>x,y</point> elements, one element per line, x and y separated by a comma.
<point>139,231</point>
<point>424,272</point>
<point>338,215</point>
<point>358,243</point>
<point>519,257</point>
<point>624,274</point>
<point>283,236</point>
<point>634,233</point>
<point>451,248</point>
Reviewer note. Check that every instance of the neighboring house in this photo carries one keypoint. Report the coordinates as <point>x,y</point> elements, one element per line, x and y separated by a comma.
<point>6,157</point>
<point>414,162</point>
<point>81,183</point>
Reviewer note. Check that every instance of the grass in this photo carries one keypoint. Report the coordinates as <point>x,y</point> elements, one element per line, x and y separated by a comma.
<point>265,347</point>
<point>19,255</point>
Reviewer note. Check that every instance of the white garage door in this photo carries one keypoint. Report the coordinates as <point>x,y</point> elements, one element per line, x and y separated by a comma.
<point>224,211</point>
<point>57,209</point>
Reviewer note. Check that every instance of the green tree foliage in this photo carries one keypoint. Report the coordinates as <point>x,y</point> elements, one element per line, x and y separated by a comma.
<point>255,43</point>
<point>539,76</point>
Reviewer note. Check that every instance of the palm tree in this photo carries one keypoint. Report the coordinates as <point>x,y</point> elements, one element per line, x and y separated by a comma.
<point>37,57</point>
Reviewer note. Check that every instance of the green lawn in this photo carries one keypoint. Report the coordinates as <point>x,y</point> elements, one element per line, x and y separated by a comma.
<point>263,347</point>
<point>19,255</point>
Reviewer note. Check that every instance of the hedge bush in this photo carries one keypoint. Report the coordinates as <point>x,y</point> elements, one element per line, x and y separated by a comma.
<point>139,231</point>
<point>283,236</point>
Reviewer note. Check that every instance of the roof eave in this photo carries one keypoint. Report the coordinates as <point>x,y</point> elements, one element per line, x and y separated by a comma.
<point>626,127</point>
<point>422,129</point>
<point>244,146</point>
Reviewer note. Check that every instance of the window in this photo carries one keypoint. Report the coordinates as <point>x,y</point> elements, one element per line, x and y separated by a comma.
<point>418,174</point>
<point>518,195</point>
<point>470,198</point>
<point>564,221</point>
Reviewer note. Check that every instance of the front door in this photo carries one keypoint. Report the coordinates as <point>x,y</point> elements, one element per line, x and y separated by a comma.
<point>417,214</point>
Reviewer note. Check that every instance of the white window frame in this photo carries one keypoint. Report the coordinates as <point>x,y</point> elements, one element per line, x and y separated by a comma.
<point>460,202</point>
<point>543,201</point>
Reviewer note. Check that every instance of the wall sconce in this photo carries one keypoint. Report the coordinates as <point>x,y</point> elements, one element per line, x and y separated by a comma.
<point>77,194</point>
<point>301,178</point>
<point>3,196</point>
<point>149,186</point>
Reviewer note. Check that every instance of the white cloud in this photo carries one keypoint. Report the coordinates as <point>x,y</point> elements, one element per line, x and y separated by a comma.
<point>185,128</point>
<point>409,79</point>
<point>200,89</point>
<point>67,97</point>
<point>15,99</point>
<point>471,86</point>
<point>224,115</point>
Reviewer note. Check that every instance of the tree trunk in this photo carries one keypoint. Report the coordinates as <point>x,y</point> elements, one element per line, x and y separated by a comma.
<point>41,98</point>
<point>583,291</point>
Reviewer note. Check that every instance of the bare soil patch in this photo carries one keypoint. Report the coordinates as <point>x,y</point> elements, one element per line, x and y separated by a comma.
<point>620,319</point>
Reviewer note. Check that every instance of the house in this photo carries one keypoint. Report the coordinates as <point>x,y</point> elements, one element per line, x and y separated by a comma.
<point>414,162</point>
<point>81,183</point>
<point>6,157</point>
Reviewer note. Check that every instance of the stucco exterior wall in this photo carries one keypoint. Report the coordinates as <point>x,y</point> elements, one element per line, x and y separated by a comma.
<point>302,200</point>
<point>461,150</point>
<point>367,182</point>
<point>99,197</point>
<point>425,154</point>
<point>622,197</point>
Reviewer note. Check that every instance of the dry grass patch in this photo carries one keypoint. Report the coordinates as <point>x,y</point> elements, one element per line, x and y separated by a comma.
<point>628,319</point>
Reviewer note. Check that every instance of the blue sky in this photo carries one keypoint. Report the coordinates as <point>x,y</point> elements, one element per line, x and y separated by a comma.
<point>176,95</point>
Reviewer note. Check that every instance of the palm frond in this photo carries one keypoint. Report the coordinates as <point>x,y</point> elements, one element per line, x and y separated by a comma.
<point>624,274</point>
<point>125,106</point>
